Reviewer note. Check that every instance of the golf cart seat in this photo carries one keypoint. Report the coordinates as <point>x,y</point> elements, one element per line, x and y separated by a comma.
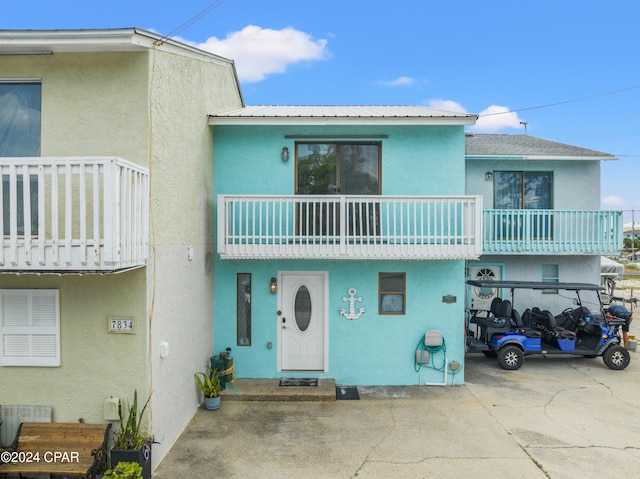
<point>495,306</point>
<point>527,330</point>
<point>499,322</point>
<point>546,323</point>
<point>504,310</point>
<point>576,320</point>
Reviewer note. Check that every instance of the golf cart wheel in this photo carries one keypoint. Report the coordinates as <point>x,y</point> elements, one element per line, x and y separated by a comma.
<point>511,357</point>
<point>616,357</point>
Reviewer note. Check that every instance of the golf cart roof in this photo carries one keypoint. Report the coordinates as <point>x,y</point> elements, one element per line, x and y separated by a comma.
<point>534,285</point>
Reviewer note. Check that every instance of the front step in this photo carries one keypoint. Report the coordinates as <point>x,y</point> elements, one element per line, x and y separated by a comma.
<point>270,390</point>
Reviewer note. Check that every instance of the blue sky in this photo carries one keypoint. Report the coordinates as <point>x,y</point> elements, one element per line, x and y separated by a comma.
<point>482,57</point>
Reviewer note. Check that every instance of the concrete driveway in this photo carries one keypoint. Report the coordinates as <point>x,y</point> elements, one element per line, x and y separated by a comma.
<point>556,417</point>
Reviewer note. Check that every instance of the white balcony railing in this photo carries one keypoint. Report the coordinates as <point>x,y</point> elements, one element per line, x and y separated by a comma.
<point>73,214</point>
<point>349,227</point>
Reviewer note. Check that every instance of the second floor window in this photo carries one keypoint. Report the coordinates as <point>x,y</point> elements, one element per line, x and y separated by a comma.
<point>530,190</point>
<point>338,168</point>
<point>20,104</point>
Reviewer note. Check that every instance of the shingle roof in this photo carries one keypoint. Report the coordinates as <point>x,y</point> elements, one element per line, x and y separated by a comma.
<point>528,147</point>
<point>341,114</point>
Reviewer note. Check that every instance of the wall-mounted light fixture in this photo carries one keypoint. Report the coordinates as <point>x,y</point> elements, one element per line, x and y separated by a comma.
<point>273,287</point>
<point>488,176</point>
<point>285,154</point>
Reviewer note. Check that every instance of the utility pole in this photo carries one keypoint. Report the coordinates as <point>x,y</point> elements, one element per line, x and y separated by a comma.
<point>633,235</point>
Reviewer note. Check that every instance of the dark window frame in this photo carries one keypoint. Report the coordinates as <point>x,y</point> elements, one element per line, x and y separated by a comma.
<point>338,145</point>
<point>523,179</point>
<point>243,304</point>
<point>387,296</point>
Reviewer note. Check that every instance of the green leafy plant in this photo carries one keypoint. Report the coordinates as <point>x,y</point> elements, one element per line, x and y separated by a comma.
<point>209,382</point>
<point>125,470</point>
<point>130,435</point>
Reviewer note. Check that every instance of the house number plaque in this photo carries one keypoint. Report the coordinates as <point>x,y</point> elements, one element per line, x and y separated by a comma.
<point>119,324</point>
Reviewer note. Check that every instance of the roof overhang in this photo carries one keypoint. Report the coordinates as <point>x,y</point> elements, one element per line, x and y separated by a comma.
<point>541,158</point>
<point>47,42</point>
<point>340,116</point>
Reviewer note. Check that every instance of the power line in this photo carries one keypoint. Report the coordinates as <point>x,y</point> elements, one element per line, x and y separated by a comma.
<point>192,20</point>
<point>563,102</point>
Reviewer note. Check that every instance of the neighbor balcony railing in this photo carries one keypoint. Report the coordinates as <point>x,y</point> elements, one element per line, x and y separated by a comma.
<point>552,232</point>
<point>73,214</point>
<point>349,227</point>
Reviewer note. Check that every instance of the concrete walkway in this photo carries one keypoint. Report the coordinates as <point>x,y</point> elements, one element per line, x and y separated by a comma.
<point>556,417</point>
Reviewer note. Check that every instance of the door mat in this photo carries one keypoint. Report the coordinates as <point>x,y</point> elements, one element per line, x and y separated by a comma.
<point>299,382</point>
<point>347,392</point>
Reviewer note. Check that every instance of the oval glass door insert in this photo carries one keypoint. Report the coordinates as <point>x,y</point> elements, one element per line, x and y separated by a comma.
<point>302,308</point>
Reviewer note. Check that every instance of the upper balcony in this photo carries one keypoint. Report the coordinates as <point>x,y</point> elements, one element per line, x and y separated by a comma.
<point>80,215</point>
<point>552,232</point>
<point>349,227</point>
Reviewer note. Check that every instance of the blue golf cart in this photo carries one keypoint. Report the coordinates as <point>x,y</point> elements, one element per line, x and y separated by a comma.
<point>519,323</point>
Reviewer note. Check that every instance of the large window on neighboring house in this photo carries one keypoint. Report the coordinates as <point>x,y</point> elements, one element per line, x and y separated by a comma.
<point>524,190</point>
<point>29,327</point>
<point>338,168</point>
<point>20,104</point>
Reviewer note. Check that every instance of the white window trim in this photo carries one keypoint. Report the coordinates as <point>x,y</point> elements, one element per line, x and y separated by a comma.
<point>29,330</point>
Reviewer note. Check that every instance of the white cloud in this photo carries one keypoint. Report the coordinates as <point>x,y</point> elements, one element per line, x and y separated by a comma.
<point>400,81</point>
<point>613,201</point>
<point>259,52</point>
<point>495,119</point>
<point>447,105</point>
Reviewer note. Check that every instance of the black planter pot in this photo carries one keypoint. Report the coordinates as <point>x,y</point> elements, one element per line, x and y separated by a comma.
<point>141,456</point>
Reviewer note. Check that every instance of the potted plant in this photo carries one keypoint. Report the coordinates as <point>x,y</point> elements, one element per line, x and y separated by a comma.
<point>132,443</point>
<point>209,384</point>
<point>124,470</point>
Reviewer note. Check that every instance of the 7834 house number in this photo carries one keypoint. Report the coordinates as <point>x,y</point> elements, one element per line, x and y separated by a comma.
<point>122,325</point>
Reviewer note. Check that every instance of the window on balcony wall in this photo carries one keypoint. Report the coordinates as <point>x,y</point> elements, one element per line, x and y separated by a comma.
<point>243,309</point>
<point>338,168</point>
<point>29,327</point>
<point>20,104</point>
<point>531,190</point>
<point>524,190</point>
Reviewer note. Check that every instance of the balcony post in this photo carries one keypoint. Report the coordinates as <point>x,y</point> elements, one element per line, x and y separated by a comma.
<point>111,212</point>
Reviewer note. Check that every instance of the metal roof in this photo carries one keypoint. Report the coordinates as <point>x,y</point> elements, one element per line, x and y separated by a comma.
<point>528,147</point>
<point>341,114</point>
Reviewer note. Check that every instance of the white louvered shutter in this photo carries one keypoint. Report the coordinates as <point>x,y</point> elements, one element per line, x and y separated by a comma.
<point>29,328</point>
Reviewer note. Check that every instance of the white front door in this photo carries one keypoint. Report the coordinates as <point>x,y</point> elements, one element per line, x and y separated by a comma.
<point>481,297</point>
<point>302,321</point>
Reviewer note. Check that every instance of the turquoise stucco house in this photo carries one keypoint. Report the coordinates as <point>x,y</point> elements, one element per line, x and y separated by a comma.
<point>342,235</point>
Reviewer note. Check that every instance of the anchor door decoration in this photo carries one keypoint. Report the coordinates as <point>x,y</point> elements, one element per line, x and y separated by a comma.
<point>351,313</point>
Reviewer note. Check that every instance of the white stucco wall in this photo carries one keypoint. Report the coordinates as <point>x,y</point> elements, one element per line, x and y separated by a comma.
<point>573,269</point>
<point>180,288</point>
<point>576,184</point>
